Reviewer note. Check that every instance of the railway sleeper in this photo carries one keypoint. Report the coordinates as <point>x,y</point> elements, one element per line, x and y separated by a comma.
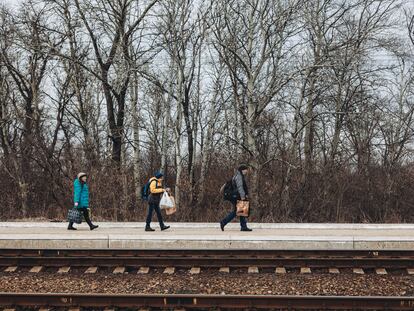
<point>197,270</point>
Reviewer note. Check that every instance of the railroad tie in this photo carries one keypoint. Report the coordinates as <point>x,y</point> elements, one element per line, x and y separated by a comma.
<point>44,309</point>
<point>253,270</point>
<point>74,309</point>
<point>280,270</point>
<point>119,270</point>
<point>195,270</point>
<point>358,271</point>
<point>91,270</point>
<point>36,269</point>
<point>224,270</point>
<point>381,271</point>
<point>305,270</point>
<point>169,270</point>
<point>64,270</point>
<point>9,309</point>
<point>143,270</point>
<point>11,269</point>
<point>334,270</point>
<point>410,271</point>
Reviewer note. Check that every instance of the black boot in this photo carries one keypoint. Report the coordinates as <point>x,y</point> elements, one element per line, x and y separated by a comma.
<point>164,227</point>
<point>93,227</point>
<point>222,225</point>
<point>88,221</point>
<point>71,227</point>
<point>148,228</point>
<point>246,229</point>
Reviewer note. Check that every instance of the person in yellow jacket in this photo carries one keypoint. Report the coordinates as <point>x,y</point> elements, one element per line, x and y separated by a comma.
<point>155,192</point>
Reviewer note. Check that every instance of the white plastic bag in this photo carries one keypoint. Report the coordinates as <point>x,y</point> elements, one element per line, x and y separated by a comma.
<point>166,201</point>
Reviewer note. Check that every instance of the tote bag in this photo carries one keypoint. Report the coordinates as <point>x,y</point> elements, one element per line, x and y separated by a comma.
<point>75,216</point>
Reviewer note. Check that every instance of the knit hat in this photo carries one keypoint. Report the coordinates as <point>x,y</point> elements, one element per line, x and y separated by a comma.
<point>158,175</point>
<point>81,174</point>
<point>243,167</point>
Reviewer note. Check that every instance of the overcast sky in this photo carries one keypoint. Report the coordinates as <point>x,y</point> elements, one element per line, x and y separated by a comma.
<point>10,3</point>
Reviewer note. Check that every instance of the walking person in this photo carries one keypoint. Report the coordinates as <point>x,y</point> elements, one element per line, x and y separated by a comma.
<point>155,192</point>
<point>81,199</point>
<point>241,193</point>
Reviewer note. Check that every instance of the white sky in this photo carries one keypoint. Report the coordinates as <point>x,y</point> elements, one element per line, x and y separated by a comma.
<point>10,3</point>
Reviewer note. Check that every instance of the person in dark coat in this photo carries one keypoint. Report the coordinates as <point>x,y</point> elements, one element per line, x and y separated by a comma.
<point>241,193</point>
<point>81,199</point>
<point>156,191</point>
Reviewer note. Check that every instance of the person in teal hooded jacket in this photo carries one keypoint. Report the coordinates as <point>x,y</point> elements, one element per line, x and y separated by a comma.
<point>81,199</point>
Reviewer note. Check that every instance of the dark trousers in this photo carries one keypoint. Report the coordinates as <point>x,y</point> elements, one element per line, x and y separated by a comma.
<point>151,208</point>
<point>232,215</point>
<point>84,210</point>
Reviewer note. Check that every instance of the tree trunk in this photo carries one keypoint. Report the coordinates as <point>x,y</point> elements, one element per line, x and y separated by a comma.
<point>177,139</point>
<point>135,126</point>
<point>309,132</point>
<point>252,144</point>
<point>207,147</point>
<point>167,99</point>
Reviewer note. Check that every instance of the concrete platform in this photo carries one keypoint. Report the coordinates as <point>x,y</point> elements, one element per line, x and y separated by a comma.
<point>209,236</point>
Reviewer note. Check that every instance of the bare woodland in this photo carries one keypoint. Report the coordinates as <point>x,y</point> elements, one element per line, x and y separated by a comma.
<point>317,96</point>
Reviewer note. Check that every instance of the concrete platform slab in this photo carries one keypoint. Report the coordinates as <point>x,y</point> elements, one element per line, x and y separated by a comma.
<point>205,238</point>
<point>49,238</point>
<point>209,236</point>
<point>181,225</point>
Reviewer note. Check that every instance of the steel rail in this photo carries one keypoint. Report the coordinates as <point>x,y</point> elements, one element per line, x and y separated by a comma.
<point>213,262</point>
<point>210,258</point>
<point>207,301</point>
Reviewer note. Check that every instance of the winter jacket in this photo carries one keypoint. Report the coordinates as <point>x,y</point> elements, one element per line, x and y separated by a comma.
<point>156,190</point>
<point>241,186</point>
<point>80,194</point>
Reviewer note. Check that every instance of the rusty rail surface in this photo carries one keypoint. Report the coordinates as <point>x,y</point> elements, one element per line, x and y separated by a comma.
<point>208,301</point>
<point>209,258</point>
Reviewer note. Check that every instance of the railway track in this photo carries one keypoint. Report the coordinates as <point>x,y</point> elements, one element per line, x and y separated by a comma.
<point>195,302</point>
<point>262,259</point>
<point>210,258</point>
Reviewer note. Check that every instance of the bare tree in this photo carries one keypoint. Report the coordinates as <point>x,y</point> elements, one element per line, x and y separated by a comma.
<point>116,30</point>
<point>26,49</point>
<point>252,38</point>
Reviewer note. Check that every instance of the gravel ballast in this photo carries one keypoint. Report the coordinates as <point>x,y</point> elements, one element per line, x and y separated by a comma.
<point>210,282</point>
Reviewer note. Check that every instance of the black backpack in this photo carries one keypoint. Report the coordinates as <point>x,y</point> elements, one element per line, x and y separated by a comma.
<point>228,191</point>
<point>145,191</point>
